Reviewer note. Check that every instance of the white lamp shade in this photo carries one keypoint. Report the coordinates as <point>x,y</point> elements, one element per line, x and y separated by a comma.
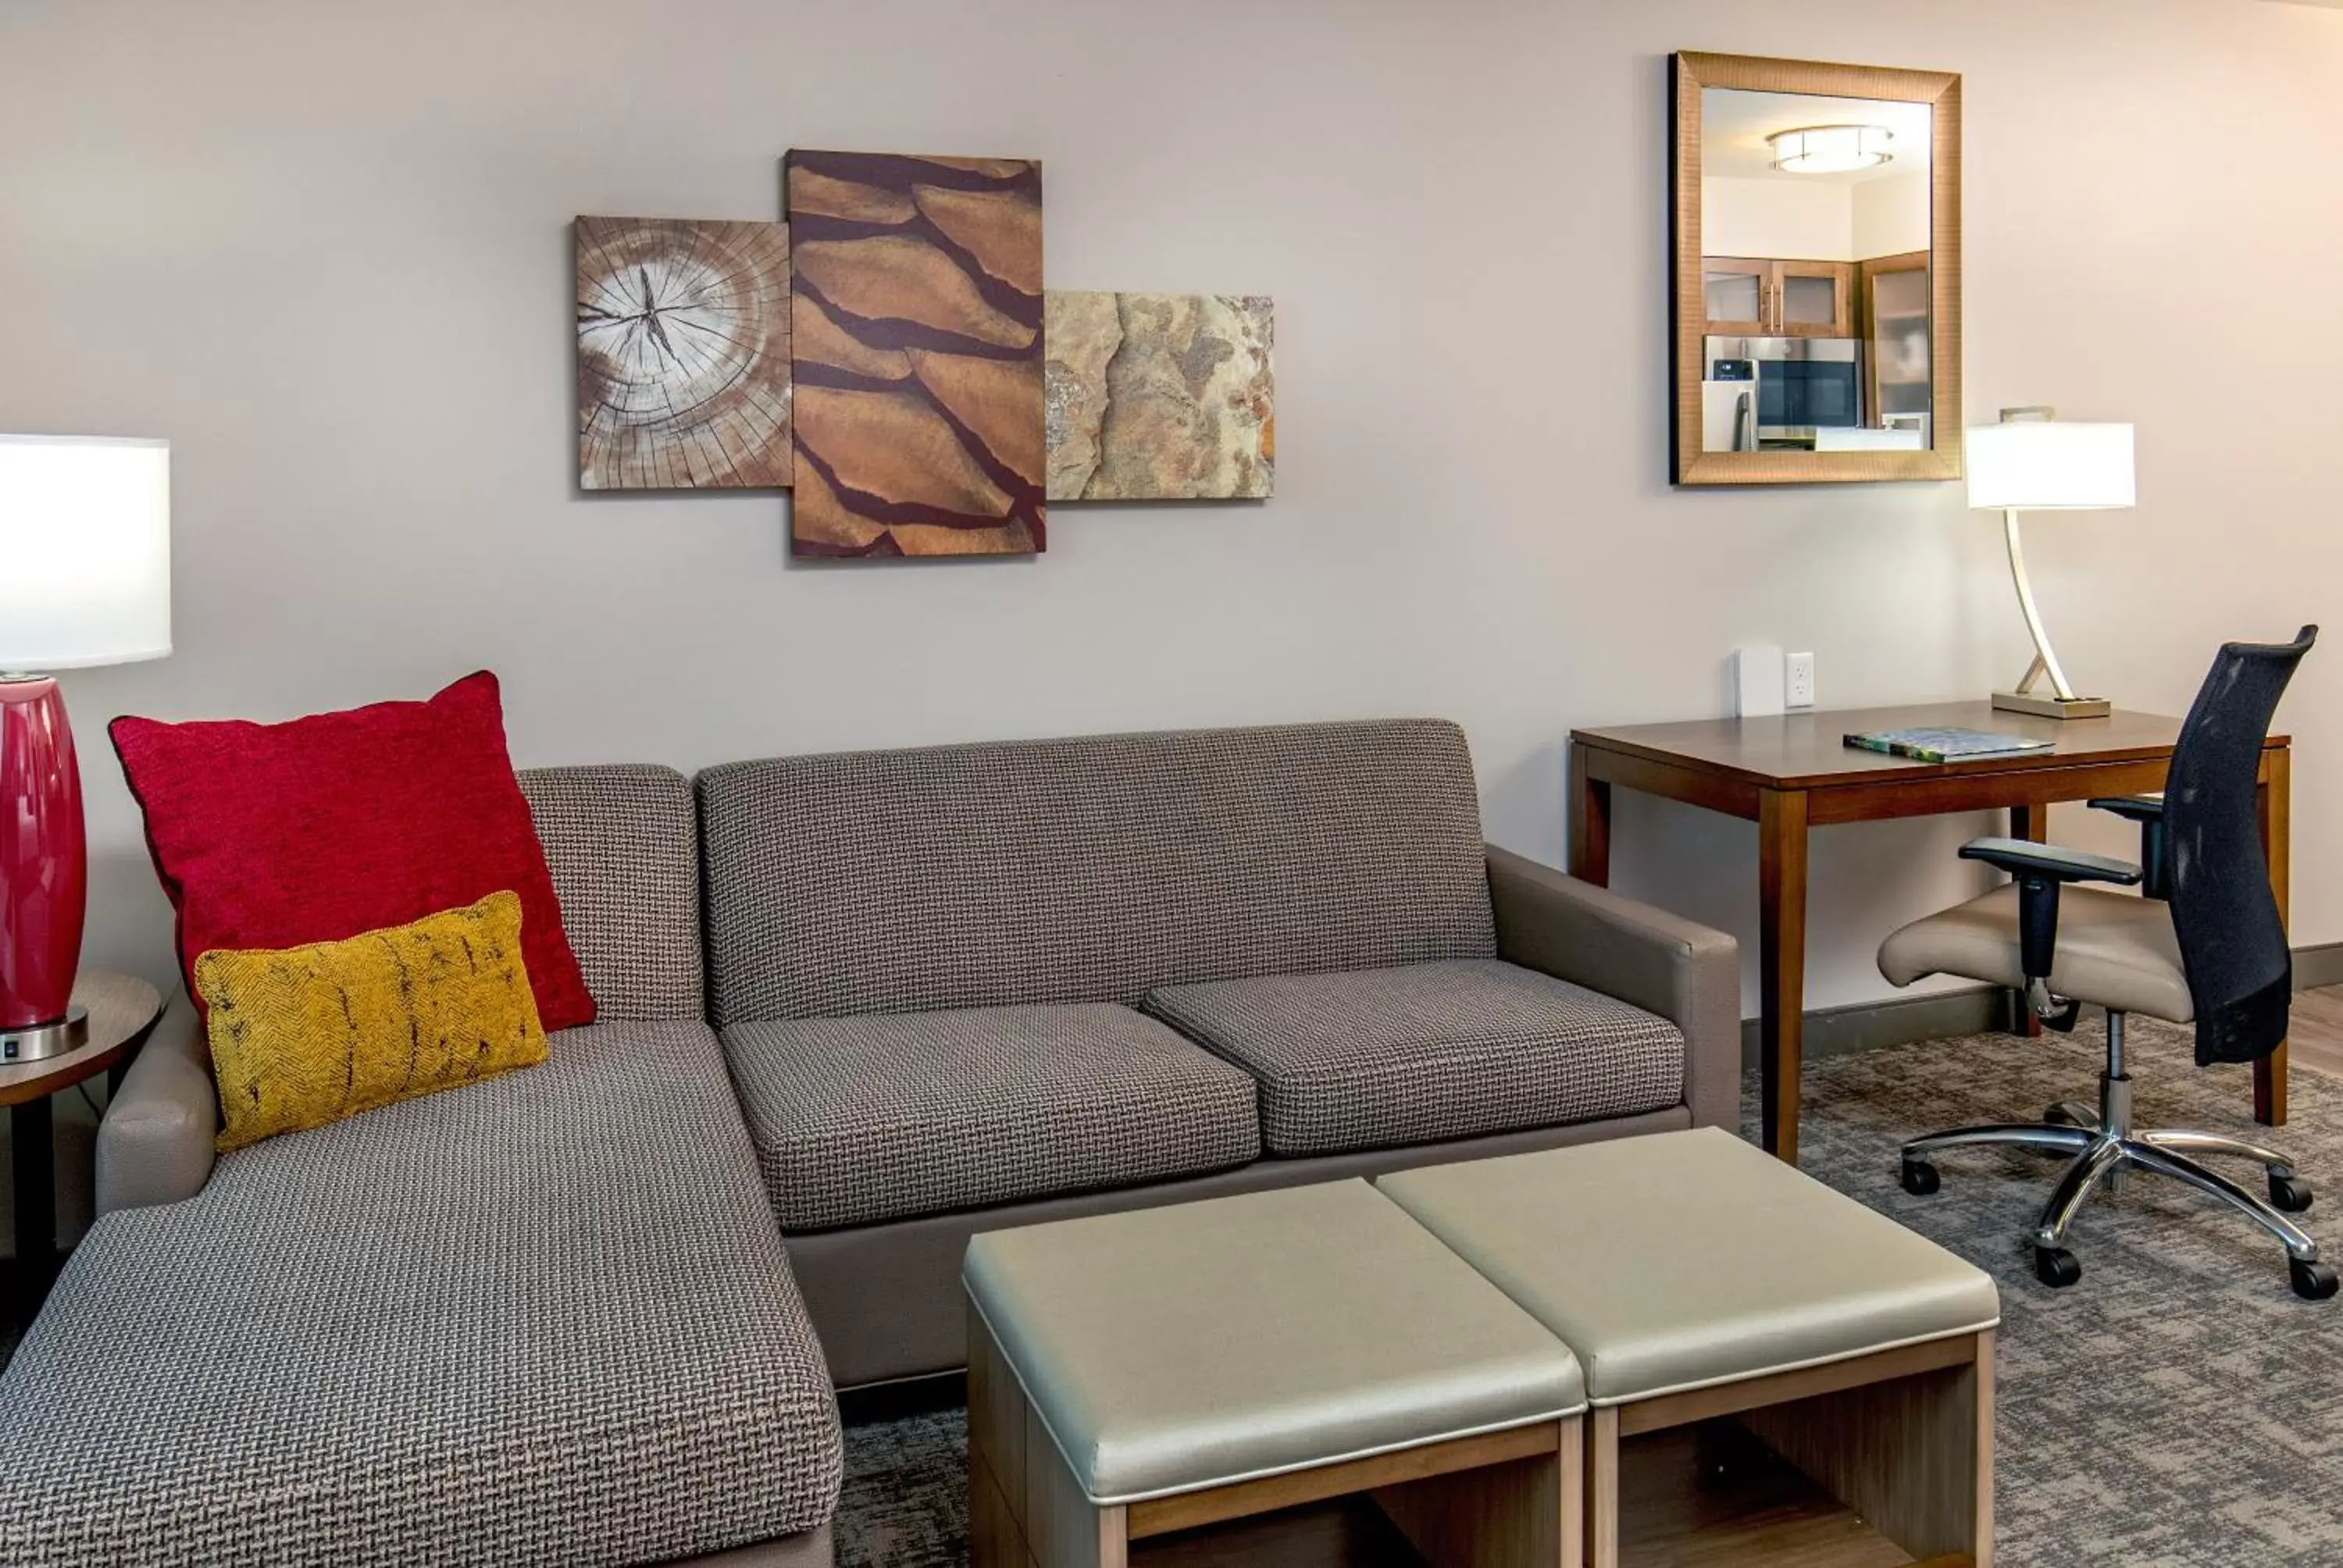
<point>2050,465</point>
<point>84,551</point>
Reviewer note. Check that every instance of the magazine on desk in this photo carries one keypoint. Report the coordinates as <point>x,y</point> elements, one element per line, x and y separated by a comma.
<point>1944,745</point>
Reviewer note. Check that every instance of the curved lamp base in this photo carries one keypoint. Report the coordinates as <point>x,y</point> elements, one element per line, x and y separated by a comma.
<point>2044,707</point>
<point>2060,701</point>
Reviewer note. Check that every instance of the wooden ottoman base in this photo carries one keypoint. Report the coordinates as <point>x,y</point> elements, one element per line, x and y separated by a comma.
<point>1902,1438</point>
<point>1507,1499</point>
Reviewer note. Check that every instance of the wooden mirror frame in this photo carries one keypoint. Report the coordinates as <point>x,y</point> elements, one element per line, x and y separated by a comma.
<point>1689,73</point>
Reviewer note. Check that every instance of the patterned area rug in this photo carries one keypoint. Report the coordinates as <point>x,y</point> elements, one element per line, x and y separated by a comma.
<point>2180,1405</point>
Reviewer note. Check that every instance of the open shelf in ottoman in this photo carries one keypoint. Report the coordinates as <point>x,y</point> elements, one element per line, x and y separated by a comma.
<point>1700,1280</point>
<point>1862,1474</point>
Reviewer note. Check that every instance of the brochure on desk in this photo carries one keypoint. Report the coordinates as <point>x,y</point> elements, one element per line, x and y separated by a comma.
<point>1944,745</point>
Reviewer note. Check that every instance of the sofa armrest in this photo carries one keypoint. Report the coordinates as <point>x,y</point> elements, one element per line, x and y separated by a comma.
<point>1686,973</point>
<point>154,1142</point>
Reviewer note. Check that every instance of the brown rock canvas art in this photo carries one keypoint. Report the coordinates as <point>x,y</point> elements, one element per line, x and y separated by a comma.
<point>683,354</point>
<point>916,355</point>
<point>1160,397</point>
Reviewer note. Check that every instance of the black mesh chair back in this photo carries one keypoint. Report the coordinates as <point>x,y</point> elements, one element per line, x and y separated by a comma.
<point>2232,942</point>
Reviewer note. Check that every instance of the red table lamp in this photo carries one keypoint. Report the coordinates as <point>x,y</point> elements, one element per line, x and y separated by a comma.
<point>84,579</point>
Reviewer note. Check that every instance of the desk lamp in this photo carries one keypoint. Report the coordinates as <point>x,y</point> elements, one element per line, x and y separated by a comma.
<point>2033,461</point>
<point>84,579</point>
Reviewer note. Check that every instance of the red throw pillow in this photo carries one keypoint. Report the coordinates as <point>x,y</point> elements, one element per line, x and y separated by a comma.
<point>279,835</point>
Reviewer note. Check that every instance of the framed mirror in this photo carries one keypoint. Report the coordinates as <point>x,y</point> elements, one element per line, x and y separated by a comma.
<point>1816,299</point>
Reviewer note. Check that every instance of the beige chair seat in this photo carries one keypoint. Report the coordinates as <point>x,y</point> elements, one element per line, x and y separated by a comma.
<point>1172,1349</point>
<point>2114,949</point>
<point>1688,1258</point>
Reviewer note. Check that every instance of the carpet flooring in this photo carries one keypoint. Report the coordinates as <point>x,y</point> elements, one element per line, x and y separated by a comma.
<point>2180,1405</point>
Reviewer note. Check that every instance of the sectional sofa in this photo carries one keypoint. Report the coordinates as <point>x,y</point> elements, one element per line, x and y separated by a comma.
<point>852,1010</point>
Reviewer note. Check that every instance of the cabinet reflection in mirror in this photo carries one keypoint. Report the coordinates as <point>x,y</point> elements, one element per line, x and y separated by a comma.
<point>1817,295</point>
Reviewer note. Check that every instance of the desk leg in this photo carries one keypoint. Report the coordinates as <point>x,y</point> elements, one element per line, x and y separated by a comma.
<point>2275,799</point>
<point>1781,963</point>
<point>2031,822</point>
<point>33,1148</point>
<point>1590,822</point>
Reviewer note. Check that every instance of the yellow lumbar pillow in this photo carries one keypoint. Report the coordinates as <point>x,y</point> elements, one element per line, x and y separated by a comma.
<point>305,1036</point>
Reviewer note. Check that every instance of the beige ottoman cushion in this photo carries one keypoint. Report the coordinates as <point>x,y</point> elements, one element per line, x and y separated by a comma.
<point>1186,1347</point>
<point>1685,1259</point>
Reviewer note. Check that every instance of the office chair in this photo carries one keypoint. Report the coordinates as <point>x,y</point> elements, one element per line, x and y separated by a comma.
<point>2205,947</point>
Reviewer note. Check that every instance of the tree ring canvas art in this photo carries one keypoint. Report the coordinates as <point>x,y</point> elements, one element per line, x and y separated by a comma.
<point>683,354</point>
<point>916,343</point>
<point>1161,397</point>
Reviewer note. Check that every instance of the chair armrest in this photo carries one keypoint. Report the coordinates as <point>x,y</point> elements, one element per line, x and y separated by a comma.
<point>2041,869</point>
<point>2155,860</point>
<point>2023,858</point>
<point>2132,808</point>
<point>1684,972</point>
<point>154,1141</point>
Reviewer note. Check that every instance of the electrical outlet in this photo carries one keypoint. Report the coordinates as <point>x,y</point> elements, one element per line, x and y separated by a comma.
<point>1799,680</point>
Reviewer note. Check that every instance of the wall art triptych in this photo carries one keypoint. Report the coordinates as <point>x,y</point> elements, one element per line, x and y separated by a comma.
<point>889,355</point>
<point>1160,397</point>
<point>683,354</point>
<point>916,355</point>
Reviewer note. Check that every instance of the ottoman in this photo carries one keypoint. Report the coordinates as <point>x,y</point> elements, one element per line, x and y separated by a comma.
<point>1136,1376</point>
<point>1697,1278</point>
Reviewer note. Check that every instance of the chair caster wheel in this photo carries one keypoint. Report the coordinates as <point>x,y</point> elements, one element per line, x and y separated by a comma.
<point>2056,1117</point>
<point>2312,1281</point>
<point>2289,1193</point>
<point>1919,1178</point>
<point>2055,1267</point>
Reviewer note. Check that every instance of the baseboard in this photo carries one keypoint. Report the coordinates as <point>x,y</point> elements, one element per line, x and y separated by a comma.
<point>2317,965</point>
<point>1900,1020</point>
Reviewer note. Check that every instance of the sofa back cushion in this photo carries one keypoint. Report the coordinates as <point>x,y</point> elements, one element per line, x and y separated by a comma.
<point>623,845</point>
<point>1087,869</point>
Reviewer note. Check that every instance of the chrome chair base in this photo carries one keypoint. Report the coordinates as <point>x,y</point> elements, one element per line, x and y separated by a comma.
<point>2102,1147</point>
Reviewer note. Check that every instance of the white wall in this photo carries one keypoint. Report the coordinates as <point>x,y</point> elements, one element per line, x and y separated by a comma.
<point>324,249</point>
<point>1814,220</point>
<point>1778,218</point>
<point>1889,216</point>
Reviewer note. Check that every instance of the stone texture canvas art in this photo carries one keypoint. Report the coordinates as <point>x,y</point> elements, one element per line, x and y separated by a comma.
<point>916,355</point>
<point>683,354</point>
<point>1160,397</point>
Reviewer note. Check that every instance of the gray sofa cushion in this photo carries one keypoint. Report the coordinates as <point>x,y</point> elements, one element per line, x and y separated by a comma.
<point>543,1319</point>
<point>886,1116</point>
<point>1428,1051</point>
<point>1087,869</point>
<point>623,844</point>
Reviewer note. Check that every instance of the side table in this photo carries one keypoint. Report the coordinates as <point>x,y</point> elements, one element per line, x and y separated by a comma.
<point>122,1011</point>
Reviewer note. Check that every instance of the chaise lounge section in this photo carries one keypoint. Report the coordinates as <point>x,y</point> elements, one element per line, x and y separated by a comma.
<point>544,1318</point>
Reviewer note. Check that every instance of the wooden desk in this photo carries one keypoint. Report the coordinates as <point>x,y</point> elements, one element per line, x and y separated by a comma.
<point>1796,772</point>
